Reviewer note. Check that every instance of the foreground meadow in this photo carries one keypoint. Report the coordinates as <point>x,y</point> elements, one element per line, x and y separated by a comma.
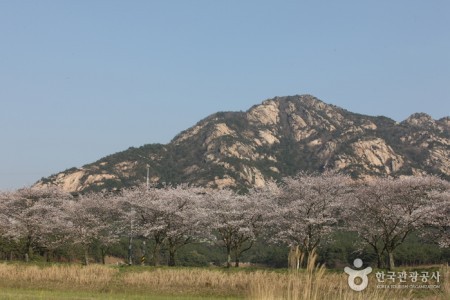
<point>21,281</point>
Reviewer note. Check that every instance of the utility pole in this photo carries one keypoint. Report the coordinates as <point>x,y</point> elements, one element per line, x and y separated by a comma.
<point>130,240</point>
<point>130,256</point>
<point>144,253</point>
<point>148,169</point>
<point>148,176</point>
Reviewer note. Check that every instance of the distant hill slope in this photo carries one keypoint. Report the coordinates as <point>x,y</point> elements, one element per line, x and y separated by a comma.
<point>277,138</point>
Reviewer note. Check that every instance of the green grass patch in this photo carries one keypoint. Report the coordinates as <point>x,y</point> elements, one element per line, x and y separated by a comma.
<point>36,294</point>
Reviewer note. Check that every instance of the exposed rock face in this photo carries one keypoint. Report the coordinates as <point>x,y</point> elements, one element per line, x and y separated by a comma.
<point>266,114</point>
<point>280,137</point>
<point>220,130</point>
<point>372,155</point>
<point>70,181</point>
<point>78,180</point>
<point>420,119</point>
<point>267,137</point>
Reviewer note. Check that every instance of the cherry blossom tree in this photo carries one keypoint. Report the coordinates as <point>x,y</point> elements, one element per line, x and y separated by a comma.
<point>107,205</point>
<point>89,218</point>
<point>26,215</point>
<point>437,226</point>
<point>48,213</point>
<point>388,210</point>
<point>5,240</point>
<point>307,209</point>
<point>169,216</point>
<point>235,220</point>
<point>147,212</point>
<point>4,197</point>
<point>185,220</point>
<point>368,229</point>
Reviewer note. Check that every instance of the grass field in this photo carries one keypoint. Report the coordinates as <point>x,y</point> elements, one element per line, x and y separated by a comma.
<point>21,281</point>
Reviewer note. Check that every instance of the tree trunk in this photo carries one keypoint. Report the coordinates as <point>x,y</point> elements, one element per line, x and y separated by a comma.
<point>156,254</point>
<point>379,261</point>
<point>236,262</point>
<point>172,257</point>
<point>236,257</point>
<point>103,255</point>
<point>29,252</point>
<point>228,256</point>
<point>130,252</point>
<point>86,256</point>
<point>391,260</point>
<point>294,258</point>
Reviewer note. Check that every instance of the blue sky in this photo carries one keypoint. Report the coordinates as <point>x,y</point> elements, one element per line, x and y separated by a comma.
<point>83,79</point>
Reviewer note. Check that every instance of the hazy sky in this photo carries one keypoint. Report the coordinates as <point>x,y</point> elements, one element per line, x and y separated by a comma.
<point>83,79</point>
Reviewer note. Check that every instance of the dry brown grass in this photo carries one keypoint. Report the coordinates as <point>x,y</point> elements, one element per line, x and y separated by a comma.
<point>313,283</point>
<point>316,283</point>
<point>190,281</point>
<point>62,276</point>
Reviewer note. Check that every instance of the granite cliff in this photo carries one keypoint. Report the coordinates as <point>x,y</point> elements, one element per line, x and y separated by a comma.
<point>277,138</point>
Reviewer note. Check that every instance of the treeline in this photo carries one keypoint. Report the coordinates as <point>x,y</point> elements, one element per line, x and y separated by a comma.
<point>302,213</point>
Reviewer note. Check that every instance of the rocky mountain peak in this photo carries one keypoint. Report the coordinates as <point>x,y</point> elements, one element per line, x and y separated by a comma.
<point>277,138</point>
<point>420,119</point>
<point>445,121</point>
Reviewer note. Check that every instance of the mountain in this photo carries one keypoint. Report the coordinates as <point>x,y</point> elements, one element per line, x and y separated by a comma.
<point>277,138</point>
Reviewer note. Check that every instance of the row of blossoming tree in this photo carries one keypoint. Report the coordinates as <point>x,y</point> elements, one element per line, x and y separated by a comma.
<point>300,212</point>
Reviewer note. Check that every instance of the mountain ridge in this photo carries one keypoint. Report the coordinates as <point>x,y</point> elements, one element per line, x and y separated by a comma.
<point>277,138</point>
